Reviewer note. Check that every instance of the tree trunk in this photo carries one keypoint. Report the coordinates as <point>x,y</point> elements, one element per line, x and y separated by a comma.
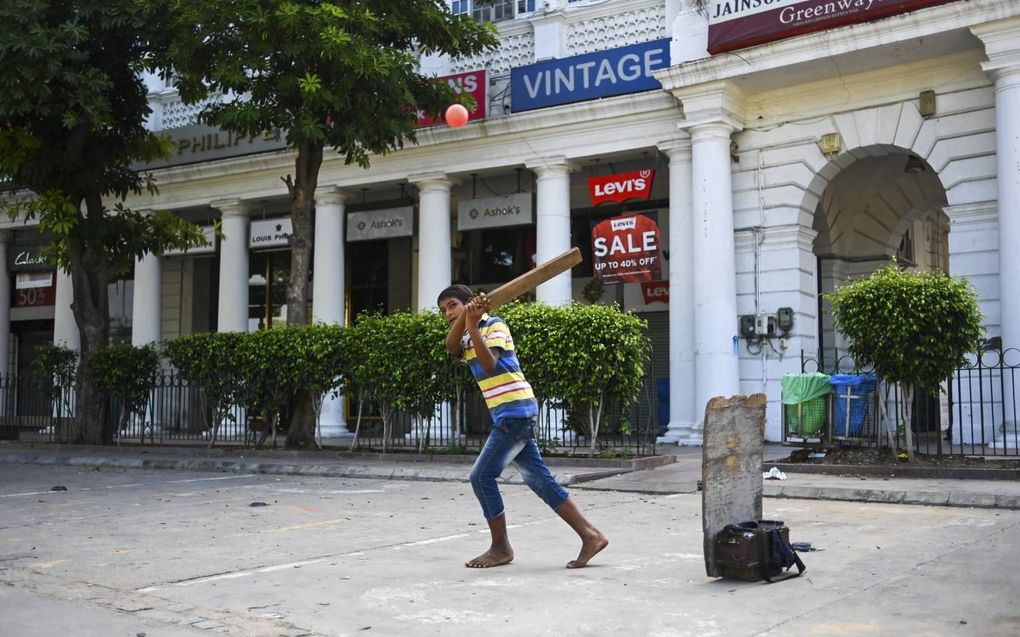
<point>301,430</point>
<point>91,275</point>
<point>907,397</point>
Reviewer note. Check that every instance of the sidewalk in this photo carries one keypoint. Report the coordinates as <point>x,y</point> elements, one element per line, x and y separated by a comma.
<point>677,471</point>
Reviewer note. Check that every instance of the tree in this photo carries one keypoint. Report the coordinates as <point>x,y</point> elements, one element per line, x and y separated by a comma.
<point>128,374</point>
<point>56,367</point>
<point>588,358</point>
<point>340,74</point>
<point>211,362</point>
<point>72,121</point>
<point>323,351</point>
<point>914,329</point>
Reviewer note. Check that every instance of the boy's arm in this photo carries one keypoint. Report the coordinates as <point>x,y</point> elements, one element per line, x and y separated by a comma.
<point>471,315</point>
<point>456,333</point>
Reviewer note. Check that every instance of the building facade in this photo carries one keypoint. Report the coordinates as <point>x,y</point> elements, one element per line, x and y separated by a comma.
<point>782,148</point>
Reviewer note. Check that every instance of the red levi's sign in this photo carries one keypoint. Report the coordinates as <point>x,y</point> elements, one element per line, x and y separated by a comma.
<point>475,83</point>
<point>621,187</point>
<point>655,292</point>
<point>737,24</point>
<point>626,250</point>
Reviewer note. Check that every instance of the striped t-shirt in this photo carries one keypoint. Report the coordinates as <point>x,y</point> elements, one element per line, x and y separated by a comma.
<point>507,393</point>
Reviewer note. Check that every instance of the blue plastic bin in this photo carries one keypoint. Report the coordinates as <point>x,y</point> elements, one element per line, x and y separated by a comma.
<point>856,388</point>
<point>662,389</point>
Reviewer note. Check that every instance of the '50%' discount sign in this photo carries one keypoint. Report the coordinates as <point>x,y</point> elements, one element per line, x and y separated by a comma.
<point>626,250</point>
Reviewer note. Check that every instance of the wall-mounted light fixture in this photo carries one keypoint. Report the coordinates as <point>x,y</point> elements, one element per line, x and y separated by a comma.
<point>926,103</point>
<point>914,165</point>
<point>830,144</point>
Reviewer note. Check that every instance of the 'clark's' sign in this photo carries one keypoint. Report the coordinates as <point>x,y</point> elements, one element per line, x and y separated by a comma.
<point>736,24</point>
<point>621,187</point>
<point>626,249</point>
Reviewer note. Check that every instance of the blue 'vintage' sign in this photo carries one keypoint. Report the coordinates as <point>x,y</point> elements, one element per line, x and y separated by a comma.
<point>627,69</point>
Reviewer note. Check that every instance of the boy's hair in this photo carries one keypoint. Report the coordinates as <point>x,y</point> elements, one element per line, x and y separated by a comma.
<point>457,291</point>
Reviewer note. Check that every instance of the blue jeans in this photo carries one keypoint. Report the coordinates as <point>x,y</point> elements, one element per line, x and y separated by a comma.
<point>513,440</point>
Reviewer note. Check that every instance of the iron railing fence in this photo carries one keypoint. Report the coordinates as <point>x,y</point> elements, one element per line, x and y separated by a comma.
<point>37,409</point>
<point>972,413</point>
<point>558,430</point>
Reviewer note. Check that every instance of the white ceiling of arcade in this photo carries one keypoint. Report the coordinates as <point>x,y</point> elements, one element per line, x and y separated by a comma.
<point>863,211</point>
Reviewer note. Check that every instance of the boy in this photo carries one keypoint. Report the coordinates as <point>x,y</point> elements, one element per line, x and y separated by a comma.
<point>484,342</point>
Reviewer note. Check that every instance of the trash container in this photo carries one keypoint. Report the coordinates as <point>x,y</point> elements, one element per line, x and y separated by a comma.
<point>662,390</point>
<point>852,392</point>
<point>804,400</point>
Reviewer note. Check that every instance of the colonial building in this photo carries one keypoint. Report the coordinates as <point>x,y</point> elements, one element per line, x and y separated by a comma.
<point>778,147</point>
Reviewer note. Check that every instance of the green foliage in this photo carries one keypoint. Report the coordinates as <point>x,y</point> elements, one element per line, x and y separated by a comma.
<point>73,109</point>
<point>534,327</point>
<point>125,372</point>
<point>57,363</point>
<point>212,363</point>
<point>914,328</point>
<point>589,358</point>
<point>323,351</point>
<point>72,121</point>
<point>397,360</point>
<point>341,74</point>
<point>270,370</point>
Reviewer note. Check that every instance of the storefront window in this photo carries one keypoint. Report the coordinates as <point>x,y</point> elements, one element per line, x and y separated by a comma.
<point>268,276</point>
<point>368,272</point>
<point>496,255</point>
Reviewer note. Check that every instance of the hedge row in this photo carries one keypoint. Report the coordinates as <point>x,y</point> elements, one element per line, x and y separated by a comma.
<point>588,358</point>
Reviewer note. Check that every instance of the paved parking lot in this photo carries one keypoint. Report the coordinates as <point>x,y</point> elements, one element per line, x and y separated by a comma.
<point>183,553</point>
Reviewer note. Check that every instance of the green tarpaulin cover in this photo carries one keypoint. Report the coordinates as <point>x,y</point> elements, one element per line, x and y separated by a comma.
<point>799,388</point>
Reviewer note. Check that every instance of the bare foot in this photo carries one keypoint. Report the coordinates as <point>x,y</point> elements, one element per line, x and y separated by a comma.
<point>589,549</point>
<point>492,557</point>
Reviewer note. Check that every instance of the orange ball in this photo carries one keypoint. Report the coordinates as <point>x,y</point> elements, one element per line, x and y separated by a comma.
<point>456,116</point>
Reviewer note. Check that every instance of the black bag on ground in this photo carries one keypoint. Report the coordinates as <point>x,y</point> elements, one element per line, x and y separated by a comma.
<point>753,551</point>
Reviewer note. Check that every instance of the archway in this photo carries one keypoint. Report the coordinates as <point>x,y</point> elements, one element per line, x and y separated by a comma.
<point>887,203</point>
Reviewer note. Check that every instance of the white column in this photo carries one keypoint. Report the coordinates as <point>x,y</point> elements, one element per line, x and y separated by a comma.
<point>232,313</point>
<point>5,308</point>
<point>435,260</point>
<point>1002,46</point>
<point>715,279</point>
<point>683,416</point>
<point>328,287</point>
<point>1007,138</point>
<point>65,329</point>
<point>147,304</point>
<point>435,263</point>
<point>552,226</point>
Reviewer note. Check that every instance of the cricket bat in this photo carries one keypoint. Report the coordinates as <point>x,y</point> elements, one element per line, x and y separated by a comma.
<point>533,278</point>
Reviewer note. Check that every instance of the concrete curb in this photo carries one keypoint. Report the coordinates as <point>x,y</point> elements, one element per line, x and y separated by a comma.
<point>897,471</point>
<point>281,468</point>
<point>893,496</point>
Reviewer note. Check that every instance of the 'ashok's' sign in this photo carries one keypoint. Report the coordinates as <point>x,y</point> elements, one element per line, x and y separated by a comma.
<point>617,71</point>
<point>380,224</point>
<point>494,212</point>
<point>735,24</point>
<point>626,249</point>
<point>621,187</point>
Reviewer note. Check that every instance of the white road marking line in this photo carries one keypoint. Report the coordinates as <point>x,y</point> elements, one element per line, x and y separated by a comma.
<point>280,567</point>
<point>216,478</point>
<point>433,540</point>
